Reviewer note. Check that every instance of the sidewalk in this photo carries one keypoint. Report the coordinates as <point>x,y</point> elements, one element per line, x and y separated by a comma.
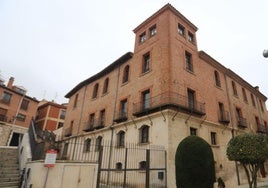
<point>260,184</point>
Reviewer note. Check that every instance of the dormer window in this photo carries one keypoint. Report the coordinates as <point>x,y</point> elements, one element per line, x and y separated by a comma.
<point>153,30</point>
<point>143,37</point>
<point>190,37</point>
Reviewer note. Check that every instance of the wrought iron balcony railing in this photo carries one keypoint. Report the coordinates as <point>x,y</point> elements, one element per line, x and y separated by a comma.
<point>88,126</point>
<point>242,122</point>
<point>121,116</point>
<point>3,118</point>
<point>169,100</point>
<point>224,117</point>
<point>91,126</point>
<point>68,132</point>
<point>261,128</point>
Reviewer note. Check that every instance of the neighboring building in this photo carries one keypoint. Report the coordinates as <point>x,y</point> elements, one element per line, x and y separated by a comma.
<point>163,92</point>
<point>16,112</point>
<point>50,115</point>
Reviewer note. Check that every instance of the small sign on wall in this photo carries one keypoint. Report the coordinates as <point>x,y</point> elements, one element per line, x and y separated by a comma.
<point>51,157</point>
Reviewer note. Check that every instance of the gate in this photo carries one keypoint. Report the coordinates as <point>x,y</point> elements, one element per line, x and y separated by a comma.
<point>132,166</point>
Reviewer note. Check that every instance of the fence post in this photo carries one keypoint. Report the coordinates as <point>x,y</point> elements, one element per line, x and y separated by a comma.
<point>125,170</point>
<point>147,181</point>
<point>99,166</point>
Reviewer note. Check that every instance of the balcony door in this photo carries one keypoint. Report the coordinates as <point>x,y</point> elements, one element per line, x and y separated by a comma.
<point>191,99</point>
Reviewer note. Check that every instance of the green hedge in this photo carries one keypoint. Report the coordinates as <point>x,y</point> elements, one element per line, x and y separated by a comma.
<point>194,164</point>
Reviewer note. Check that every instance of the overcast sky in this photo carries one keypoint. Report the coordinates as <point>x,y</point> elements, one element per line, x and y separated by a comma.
<point>49,46</point>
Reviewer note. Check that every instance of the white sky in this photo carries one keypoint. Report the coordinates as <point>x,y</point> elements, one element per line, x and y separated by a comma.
<point>50,46</point>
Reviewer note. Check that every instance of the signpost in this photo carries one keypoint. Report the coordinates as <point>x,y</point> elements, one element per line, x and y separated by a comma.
<point>50,161</point>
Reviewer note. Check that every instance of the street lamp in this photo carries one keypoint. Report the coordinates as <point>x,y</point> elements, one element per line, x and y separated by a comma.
<point>265,53</point>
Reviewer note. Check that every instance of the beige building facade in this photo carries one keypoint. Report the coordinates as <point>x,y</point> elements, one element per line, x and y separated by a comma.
<point>165,91</point>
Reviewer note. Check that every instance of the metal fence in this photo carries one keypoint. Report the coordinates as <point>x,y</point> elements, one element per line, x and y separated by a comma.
<point>128,166</point>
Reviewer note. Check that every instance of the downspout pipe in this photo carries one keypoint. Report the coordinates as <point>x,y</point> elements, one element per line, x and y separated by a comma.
<point>80,119</point>
<point>232,124</point>
<point>111,127</point>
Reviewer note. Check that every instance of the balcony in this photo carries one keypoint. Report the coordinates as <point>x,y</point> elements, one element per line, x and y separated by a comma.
<point>242,122</point>
<point>68,132</point>
<point>121,116</point>
<point>3,118</point>
<point>91,126</point>
<point>169,100</point>
<point>88,126</point>
<point>261,129</point>
<point>224,117</point>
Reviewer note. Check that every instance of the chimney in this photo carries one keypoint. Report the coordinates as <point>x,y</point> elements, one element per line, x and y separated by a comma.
<point>10,82</point>
<point>257,88</point>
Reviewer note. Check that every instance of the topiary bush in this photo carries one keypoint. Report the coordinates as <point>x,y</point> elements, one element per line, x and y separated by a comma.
<point>194,164</point>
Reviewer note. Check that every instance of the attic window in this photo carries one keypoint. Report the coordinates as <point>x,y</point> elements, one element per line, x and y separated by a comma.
<point>143,37</point>
<point>153,30</point>
<point>190,37</point>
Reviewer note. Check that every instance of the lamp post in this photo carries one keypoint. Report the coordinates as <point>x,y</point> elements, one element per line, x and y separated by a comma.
<point>265,53</point>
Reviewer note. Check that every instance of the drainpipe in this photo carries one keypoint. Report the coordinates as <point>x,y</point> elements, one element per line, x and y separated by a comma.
<point>79,123</point>
<point>232,123</point>
<point>111,127</point>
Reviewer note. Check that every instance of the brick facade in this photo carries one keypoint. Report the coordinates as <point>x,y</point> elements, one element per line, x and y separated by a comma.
<point>172,88</point>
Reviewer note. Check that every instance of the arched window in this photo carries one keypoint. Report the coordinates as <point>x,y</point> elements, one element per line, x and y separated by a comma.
<point>95,91</point>
<point>87,144</point>
<point>144,134</point>
<point>217,78</point>
<point>126,74</point>
<point>121,139</point>
<point>142,165</point>
<point>234,88</point>
<point>119,166</point>
<point>105,86</point>
<point>98,143</point>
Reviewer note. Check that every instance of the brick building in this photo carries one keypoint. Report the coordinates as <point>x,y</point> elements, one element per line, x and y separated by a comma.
<point>164,91</point>
<point>16,111</point>
<point>50,115</point>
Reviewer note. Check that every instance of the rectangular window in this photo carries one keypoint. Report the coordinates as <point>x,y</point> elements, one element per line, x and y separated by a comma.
<point>3,113</point>
<point>217,78</point>
<point>91,119</point>
<point>62,114</point>
<point>102,118</point>
<point>6,98</point>
<point>143,37</point>
<point>24,104</point>
<point>221,109</point>
<point>191,99</point>
<point>262,109</point>
<point>253,100</point>
<point>146,99</point>
<point>191,37</point>
<point>146,63</point>
<point>234,88</point>
<point>21,117</point>
<point>123,108</point>
<point>153,30</point>
<point>75,100</point>
<point>213,138</point>
<point>257,120</point>
<point>244,95</point>
<point>188,61</point>
<point>193,131</point>
<point>181,30</point>
<point>60,124</point>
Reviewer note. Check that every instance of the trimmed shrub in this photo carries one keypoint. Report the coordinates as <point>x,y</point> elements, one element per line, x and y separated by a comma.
<point>194,164</point>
